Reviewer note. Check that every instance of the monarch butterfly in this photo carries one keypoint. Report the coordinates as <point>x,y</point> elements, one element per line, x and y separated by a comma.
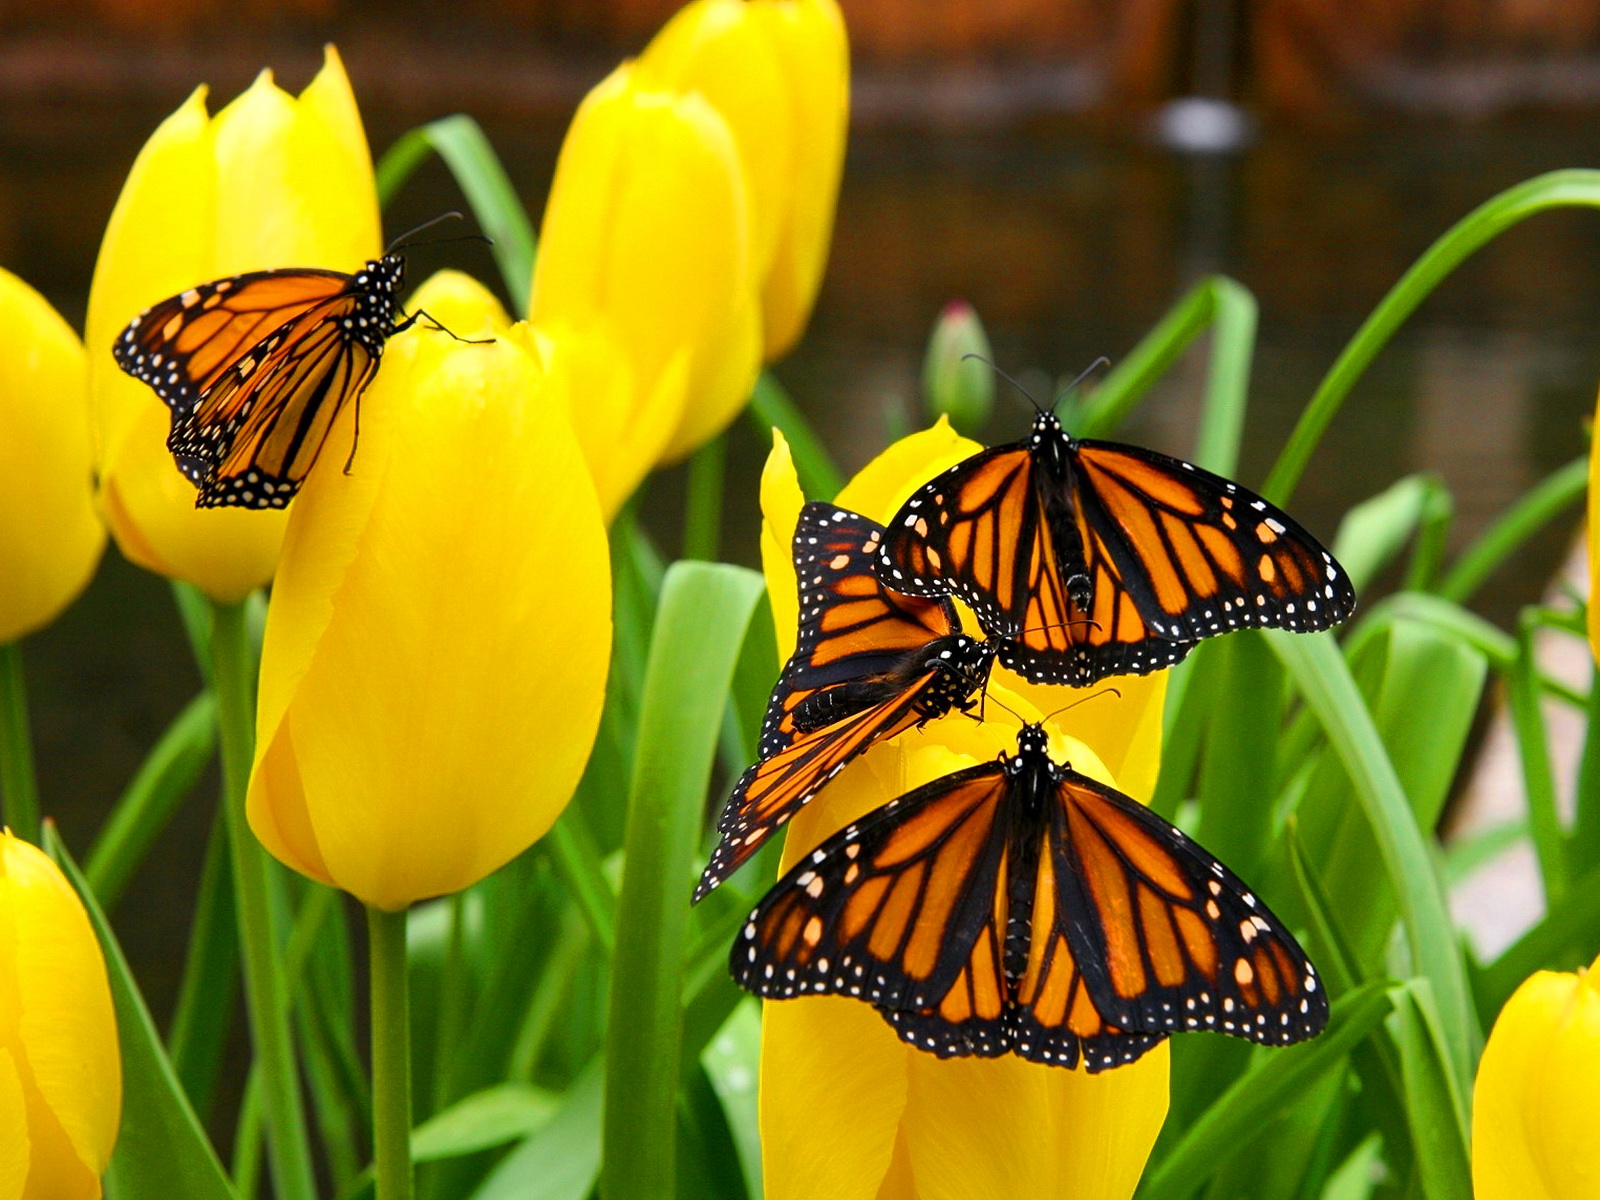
<point>1092,558</point>
<point>257,367</point>
<point>868,664</point>
<point>1021,907</point>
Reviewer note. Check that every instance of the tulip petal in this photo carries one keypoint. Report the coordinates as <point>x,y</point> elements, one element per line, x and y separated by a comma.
<point>833,1087</point>
<point>781,502</point>
<point>1536,1093</point>
<point>438,725</point>
<point>811,40</point>
<point>50,534</point>
<point>14,1163</point>
<point>884,484</point>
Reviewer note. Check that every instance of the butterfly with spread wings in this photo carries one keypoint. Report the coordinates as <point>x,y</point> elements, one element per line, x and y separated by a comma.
<point>1089,559</point>
<point>257,367</point>
<point>1021,907</point>
<point>868,664</point>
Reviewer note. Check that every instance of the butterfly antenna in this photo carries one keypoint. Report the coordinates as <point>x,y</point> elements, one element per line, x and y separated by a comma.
<point>1102,361</point>
<point>1084,700</point>
<point>1027,395</point>
<point>405,239</point>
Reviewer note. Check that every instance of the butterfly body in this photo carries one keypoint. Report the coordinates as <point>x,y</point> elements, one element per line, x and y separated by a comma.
<point>1087,559</point>
<point>1021,907</point>
<point>868,664</point>
<point>257,367</point>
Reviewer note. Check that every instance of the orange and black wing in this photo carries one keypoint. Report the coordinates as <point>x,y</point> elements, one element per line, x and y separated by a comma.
<point>771,792</point>
<point>1164,937</point>
<point>1174,554</point>
<point>904,909</point>
<point>853,631</point>
<point>255,369</point>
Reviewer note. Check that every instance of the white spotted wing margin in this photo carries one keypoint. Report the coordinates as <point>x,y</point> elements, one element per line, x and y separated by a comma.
<point>1019,907</point>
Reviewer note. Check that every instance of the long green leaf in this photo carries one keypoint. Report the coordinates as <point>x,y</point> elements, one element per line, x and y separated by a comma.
<point>772,408</point>
<point>1272,1084</point>
<point>562,1160</point>
<point>1533,510</point>
<point>1557,189</point>
<point>698,633</point>
<point>204,1011</point>
<point>1564,939</point>
<point>1434,1097</point>
<point>1538,776</point>
<point>461,143</point>
<point>166,776</point>
<point>162,1151</point>
<point>1320,672</point>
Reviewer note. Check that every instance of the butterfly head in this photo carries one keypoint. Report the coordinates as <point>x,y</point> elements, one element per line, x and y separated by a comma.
<point>1049,444</point>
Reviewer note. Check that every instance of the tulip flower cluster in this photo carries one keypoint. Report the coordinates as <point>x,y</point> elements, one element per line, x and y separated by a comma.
<point>688,224</point>
<point>899,1122</point>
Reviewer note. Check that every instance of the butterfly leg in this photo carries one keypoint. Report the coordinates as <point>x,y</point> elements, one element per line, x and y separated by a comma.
<point>423,314</point>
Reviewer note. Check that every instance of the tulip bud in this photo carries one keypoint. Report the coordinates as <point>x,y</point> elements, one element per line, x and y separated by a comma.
<point>1537,1091</point>
<point>778,72</point>
<point>60,1073</point>
<point>436,646</point>
<point>50,535</point>
<point>271,181</point>
<point>646,241</point>
<point>957,380</point>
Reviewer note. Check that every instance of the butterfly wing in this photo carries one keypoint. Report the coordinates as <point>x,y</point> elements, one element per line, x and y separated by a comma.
<point>1165,936</point>
<point>256,369</point>
<point>184,345</point>
<point>771,792</point>
<point>852,628</point>
<point>904,909</point>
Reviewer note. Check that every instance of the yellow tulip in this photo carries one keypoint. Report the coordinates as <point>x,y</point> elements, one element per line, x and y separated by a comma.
<point>900,1124</point>
<point>646,246</point>
<point>1537,1093</point>
<point>50,535</point>
<point>437,642</point>
<point>779,72</point>
<point>60,1073</point>
<point>271,181</point>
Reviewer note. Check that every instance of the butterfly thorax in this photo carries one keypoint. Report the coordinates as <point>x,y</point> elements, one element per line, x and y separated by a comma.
<point>961,663</point>
<point>377,308</point>
<point>1033,779</point>
<point>1052,450</point>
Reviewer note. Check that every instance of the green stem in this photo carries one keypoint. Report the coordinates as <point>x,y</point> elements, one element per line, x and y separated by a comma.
<point>391,1054</point>
<point>19,786</point>
<point>266,996</point>
<point>702,520</point>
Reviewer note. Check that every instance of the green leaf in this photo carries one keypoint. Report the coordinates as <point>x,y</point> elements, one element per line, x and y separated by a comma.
<point>562,1160</point>
<point>162,1151</point>
<point>699,630</point>
<point>1538,776</point>
<point>1435,1107</point>
<point>492,1117</point>
<point>1563,940</point>
<point>1531,512</point>
<point>204,1011</point>
<point>166,776</point>
<point>1320,672</point>
<point>1275,1080</point>
<point>1465,854</point>
<point>572,851</point>
<point>1357,1176</point>
<point>1230,309</point>
<point>461,143</point>
<point>1557,189</point>
<point>1373,533</point>
<point>733,1064</point>
<point>772,408</point>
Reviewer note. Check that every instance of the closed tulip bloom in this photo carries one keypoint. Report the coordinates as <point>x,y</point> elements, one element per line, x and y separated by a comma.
<point>271,181</point>
<point>60,1073</point>
<point>646,244</point>
<point>1537,1093</point>
<point>897,1123</point>
<point>437,642</point>
<point>50,535</point>
<point>779,72</point>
